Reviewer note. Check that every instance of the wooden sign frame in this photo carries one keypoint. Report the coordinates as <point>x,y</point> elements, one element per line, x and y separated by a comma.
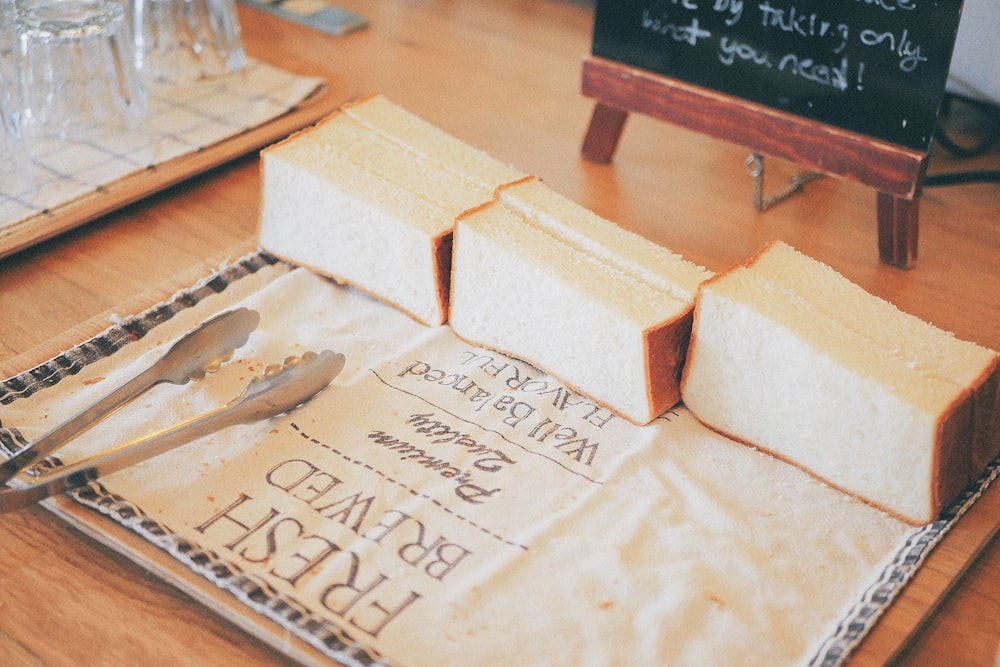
<point>894,171</point>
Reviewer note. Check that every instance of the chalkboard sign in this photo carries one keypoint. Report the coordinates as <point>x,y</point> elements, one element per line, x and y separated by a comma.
<point>874,67</point>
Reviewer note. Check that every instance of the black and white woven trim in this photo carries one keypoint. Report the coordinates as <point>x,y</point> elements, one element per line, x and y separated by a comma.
<point>320,633</point>
<point>252,591</point>
<point>132,329</point>
<point>290,614</point>
<point>897,572</point>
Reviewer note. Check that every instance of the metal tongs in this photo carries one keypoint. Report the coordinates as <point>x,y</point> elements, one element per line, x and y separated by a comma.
<point>280,389</point>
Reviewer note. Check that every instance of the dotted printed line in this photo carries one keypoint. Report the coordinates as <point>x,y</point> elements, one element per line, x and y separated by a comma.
<point>362,464</point>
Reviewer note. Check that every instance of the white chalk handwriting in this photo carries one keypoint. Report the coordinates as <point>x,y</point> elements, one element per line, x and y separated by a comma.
<point>822,49</point>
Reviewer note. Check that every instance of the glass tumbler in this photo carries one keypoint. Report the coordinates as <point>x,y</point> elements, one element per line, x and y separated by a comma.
<point>77,67</point>
<point>179,41</point>
<point>15,165</point>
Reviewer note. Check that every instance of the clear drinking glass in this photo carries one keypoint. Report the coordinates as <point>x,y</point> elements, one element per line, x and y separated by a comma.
<point>15,165</point>
<point>77,66</point>
<point>186,40</point>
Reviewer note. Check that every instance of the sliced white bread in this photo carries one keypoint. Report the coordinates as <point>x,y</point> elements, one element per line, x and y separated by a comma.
<point>592,234</point>
<point>928,349</point>
<point>798,374</point>
<point>369,197</point>
<point>584,317</point>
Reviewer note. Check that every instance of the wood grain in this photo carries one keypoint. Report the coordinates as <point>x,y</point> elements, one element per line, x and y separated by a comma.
<point>141,184</point>
<point>505,77</point>
<point>886,167</point>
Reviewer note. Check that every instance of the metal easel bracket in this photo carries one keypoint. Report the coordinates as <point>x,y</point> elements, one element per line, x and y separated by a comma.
<point>755,167</point>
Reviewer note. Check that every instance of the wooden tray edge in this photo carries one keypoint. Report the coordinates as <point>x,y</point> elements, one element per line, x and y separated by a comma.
<point>42,226</point>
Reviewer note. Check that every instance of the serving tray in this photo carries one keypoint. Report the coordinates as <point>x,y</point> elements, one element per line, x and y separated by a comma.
<point>190,131</point>
<point>901,594</point>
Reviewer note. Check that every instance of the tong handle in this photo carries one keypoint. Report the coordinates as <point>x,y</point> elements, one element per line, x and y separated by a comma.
<point>80,422</point>
<point>281,390</point>
<point>190,357</point>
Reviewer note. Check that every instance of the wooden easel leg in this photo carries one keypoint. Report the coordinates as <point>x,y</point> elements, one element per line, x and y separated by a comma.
<point>605,129</point>
<point>897,230</point>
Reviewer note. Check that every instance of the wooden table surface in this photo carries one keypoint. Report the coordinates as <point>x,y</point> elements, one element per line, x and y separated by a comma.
<point>505,77</point>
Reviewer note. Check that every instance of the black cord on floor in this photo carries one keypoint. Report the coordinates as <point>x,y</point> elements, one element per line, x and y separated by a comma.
<point>961,178</point>
<point>991,113</point>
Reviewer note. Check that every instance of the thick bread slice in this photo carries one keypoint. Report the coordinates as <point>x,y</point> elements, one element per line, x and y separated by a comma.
<point>518,289</point>
<point>927,348</point>
<point>434,145</point>
<point>592,234</point>
<point>325,212</point>
<point>770,368</point>
<point>369,197</point>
